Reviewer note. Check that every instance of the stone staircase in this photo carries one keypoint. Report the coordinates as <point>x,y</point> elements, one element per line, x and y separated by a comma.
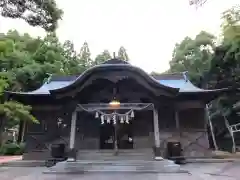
<point>140,160</point>
<point>130,166</point>
<point>95,155</point>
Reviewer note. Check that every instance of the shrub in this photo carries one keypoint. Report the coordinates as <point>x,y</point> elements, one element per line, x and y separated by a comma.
<point>20,150</point>
<point>12,149</point>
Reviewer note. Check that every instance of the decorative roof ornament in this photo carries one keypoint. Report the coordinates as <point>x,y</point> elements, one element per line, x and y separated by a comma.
<point>115,61</point>
<point>49,77</point>
<point>185,76</point>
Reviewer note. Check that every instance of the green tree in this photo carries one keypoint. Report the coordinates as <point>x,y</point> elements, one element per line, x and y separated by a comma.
<point>12,112</point>
<point>193,55</point>
<point>122,54</point>
<point>72,63</point>
<point>230,25</point>
<point>43,13</point>
<point>101,58</point>
<point>225,65</point>
<point>85,56</point>
<point>26,62</point>
<point>224,72</point>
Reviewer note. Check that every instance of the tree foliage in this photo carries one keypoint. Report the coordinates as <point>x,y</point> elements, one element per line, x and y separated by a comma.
<point>43,13</point>
<point>26,62</point>
<point>101,58</point>
<point>85,56</point>
<point>214,66</point>
<point>197,3</point>
<point>225,64</point>
<point>11,113</point>
<point>230,25</point>
<point>193,55</point>
<point>122,54</point>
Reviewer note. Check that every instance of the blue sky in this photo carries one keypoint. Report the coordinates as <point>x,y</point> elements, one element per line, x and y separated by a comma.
<point>148,29</point>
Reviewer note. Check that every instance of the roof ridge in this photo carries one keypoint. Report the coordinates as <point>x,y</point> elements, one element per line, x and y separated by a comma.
<point>170,76</point>
<point>64,77</point>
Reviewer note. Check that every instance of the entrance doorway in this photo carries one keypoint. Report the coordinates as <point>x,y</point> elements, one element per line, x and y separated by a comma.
<point>107,136</point>
<point>123,132</point>
<point>125,136</point>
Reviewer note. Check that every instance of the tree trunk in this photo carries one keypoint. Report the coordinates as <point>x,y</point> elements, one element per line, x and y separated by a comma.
<point>23,131</point>
<point>2,122</point>
<point>231,134</point>
<point>20,131</point>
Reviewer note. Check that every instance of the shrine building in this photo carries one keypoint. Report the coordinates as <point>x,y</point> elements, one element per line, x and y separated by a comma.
<point>117,107</point>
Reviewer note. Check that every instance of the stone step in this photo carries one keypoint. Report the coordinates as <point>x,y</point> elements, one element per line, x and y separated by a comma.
<point>114,158</point>
<point>38,155</point>
<point>24,163</point>
<point>163,166</point>
<point>112,153</point>
<point>119,151</point>
<point>108,155</point>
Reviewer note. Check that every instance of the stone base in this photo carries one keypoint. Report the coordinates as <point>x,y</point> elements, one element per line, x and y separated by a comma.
<point>72,154</point>
<point>164,166</point>
<point>158,158</point>
<point>157,151</point>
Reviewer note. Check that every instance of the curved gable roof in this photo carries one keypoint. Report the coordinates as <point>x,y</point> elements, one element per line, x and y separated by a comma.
<point>114,67</point>
<point>175,83</point>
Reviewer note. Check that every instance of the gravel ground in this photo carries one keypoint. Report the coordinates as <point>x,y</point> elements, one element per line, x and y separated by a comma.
<point>204,171</point>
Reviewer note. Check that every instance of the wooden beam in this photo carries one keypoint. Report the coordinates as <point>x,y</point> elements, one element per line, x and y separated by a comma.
<point>188,105</point>
<point>105,106</point>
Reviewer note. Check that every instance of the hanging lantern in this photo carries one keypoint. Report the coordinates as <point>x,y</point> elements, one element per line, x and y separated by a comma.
<point>132,114</point>
<point>96,115</point>
<point>114,104</point>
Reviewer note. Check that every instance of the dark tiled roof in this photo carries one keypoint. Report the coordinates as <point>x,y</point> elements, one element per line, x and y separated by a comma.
<point>171,80</point>
<point>178,81</point>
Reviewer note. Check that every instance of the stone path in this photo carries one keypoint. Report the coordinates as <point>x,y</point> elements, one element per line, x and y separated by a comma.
<point>4,159</point>
<point>204,171</point>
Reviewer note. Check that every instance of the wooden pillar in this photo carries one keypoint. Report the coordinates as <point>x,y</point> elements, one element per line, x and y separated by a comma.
<point>72,153</point>
<point>177,120</point>
<point>178,129</point>
<point>156,135</point>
